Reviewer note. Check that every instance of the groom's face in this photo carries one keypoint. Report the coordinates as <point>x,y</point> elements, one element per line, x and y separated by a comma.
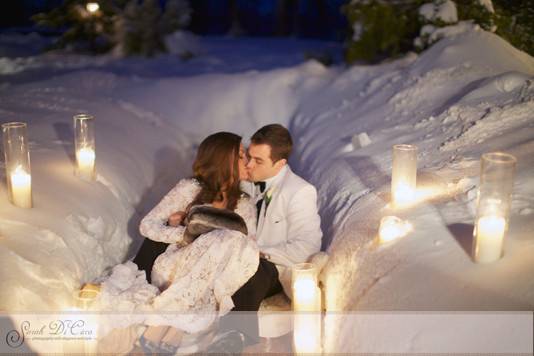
<point>260,165</point>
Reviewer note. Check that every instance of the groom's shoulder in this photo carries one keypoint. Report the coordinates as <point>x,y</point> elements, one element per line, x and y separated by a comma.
<point>294,182</point>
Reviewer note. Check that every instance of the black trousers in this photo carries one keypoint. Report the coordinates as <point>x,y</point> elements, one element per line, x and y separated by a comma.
<point>243,317</point>
<point>147,254</point>
<point>263,284</point>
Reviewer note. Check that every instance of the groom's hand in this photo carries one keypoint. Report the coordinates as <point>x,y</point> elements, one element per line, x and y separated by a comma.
<point>176,219</point>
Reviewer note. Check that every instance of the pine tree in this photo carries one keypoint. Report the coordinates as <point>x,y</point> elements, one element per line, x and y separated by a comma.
<point>130,27</point>
<point>151,37</point>
<point>128,33</point>
<point>176,16</point>
<point>515,23</point>
<point>86,31</point>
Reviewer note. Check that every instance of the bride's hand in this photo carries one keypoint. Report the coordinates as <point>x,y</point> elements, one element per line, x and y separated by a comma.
<point>176,218</point>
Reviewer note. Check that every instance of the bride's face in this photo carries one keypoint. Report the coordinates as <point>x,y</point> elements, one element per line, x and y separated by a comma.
<point>242,165</point>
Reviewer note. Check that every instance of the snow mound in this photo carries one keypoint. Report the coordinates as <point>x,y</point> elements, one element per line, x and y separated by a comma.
<point>15,65</point>
<point>479,49</point>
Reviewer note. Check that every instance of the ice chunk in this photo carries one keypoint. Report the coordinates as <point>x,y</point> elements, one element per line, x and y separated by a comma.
<point>360,140</point>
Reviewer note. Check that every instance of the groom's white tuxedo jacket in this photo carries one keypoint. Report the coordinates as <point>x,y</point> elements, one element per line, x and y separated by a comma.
<point>289,227</point>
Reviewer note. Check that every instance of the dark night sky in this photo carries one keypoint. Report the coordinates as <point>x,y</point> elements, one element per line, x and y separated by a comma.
<point>305,18</point>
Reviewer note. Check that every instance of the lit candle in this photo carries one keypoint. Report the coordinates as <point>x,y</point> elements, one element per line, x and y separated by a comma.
<point>307,307</point>
<point>494,200</point>
<point>306,294</point>
<point>403,175</point>
<point>17,164</point>
<point>490,238</point>
<point>84,145</point>
<point>86,162</point>
<point>92,7</point>
<point>392,228</point>
<point>21,185</point>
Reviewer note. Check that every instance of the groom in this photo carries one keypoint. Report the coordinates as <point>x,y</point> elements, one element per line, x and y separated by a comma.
<point>288,229</point>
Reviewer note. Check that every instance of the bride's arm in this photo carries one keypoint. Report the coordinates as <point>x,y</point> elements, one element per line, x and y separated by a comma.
<point>154,224</point>
<point>247,210</point>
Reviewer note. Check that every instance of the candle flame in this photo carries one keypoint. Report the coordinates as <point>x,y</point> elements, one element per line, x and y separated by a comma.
<point>304,289</point>
<point>20,178</point>
<point>86,156</point>
<point>404,194</point>
<point>491,225</point>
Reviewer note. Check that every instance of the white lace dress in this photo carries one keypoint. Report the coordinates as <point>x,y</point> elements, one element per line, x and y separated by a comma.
<point>191,285</point>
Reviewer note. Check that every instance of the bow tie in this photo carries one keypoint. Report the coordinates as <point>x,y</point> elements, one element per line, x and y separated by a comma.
<point>261,185</point>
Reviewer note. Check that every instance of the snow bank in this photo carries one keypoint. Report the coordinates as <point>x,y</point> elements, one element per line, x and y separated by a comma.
<point>465,96</point>
<point>468,94</point>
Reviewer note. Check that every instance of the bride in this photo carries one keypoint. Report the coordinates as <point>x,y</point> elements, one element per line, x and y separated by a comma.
<point>191,284</point>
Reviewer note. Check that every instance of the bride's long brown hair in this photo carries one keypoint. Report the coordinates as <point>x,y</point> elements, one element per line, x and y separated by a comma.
<point>216,167</point>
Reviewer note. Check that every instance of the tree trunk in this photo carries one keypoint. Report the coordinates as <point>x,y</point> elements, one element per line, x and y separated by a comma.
<point>235,27</point>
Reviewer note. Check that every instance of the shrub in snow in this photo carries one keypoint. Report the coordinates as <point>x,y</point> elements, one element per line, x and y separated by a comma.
<point>177,16</point>
<point>515,23</point>
<point>182,43</point>
<point>381,29</point>
<point>442,18</point>
<point>512,20</point>
<point>439,12</point>
<point>480,12</point>
<point>129,27</point>
<point>138,29</point>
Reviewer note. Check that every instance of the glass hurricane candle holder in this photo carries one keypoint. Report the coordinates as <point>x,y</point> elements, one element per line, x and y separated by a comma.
<point>403,175</point>
<point>306,294</point>
<point>17,162</point>
<point>307,309</point>
<point>82,338</point>
<point>84,145</point>
<point>497,172</point>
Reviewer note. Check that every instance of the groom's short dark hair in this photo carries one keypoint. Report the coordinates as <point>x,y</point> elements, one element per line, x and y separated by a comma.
<point>277,137</point>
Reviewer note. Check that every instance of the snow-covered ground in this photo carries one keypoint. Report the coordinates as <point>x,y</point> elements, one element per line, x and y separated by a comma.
<point>468,94</point>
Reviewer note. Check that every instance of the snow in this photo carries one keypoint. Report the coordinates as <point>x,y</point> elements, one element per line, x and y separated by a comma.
<point>357,30</point>
<point>446,12</point>
<point>439,11</point>
<point>434,34</point>
<point>488,4</point>
<point>427,11</point>
<point>468,94</point>
<point>181,42</point>
<point>360,140</point>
